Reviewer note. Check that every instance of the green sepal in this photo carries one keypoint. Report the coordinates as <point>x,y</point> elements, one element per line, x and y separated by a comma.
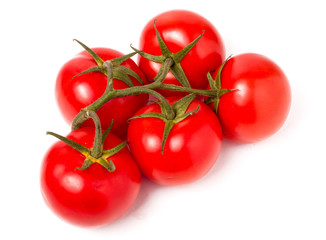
<point>117,61</point>
<point>127,71</point>
<point>80,148</point>
<point>175,67</point>
<point>164,49</point>
<point>214,85</point>
<point>86,164</point>
<point>185,115</point>
<point>210,100</point>
<point>211,81</point>
<point>123,77</point>
<point>119,72</point>
<point>169,124</point>
<point>219,72</point>
<point>224,91</point>
<point>163,110</point>
<point>179,74</point>
<point>110,152</point>
<point>152,115</point>
<point>217,85</point>
<point>92,69</point>
<point>177,57</point>
<point>107,164</point>
<point>153,58</point>
<point>101,155</point>
<point>180,107</point>
<point>216,99</point>
<point>96,57</point>
<point>106,132</point>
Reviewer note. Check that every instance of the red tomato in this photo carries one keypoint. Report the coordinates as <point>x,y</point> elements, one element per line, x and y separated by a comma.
<point>261,103</point>
<point>178,28</point>
<point>90,197</point>
<point>73,94</point>
<point>190,151</point>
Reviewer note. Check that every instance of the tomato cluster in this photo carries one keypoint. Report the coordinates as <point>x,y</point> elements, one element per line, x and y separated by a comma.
<point>164,117</point>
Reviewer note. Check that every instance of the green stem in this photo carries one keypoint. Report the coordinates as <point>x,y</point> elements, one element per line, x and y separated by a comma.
<point>164,70</point>
<point>97,146</point>
<point>188,90</point>
<point>146,89</point>
<point>109,70</point>
<point>141,90</point>
<point>83,116</point>
<point>111,93</point>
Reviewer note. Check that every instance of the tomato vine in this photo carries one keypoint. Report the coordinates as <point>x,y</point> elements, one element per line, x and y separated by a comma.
<point>91,178</point>
<point>169,62</point>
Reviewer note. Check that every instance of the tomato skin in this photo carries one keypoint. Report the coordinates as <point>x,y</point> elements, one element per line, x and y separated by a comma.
<point>261,103</point>
<point>75,93</point>
<point>91,197</point>
<point>191,149</point>
<point>178,28</point>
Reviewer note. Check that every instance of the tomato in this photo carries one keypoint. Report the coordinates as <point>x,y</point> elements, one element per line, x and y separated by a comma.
<point>261,103</point>
<point>178,28</point>
<point>191,149</point>
<point>90,197</point>
<point>75,93</point>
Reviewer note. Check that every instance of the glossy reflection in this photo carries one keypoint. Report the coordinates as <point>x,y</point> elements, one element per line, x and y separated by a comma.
<point>72,183</point>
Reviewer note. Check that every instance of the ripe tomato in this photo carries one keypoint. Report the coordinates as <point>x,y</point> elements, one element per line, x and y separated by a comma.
<point>178,28</point>
<point>90,197</point>
<point>261,103</point>
<point>191,149</point>
<point>73,94</point>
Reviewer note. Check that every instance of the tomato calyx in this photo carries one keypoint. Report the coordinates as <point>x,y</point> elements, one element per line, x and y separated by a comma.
<point>116,70</point>
<point>215,84</point>
<point>175,68</point>
<point>179,114</point>
<point>95,154</point>
<point>113,70</point>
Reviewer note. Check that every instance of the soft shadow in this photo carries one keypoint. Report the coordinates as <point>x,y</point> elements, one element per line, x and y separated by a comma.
<point>226,155</point>
<point>147,189</point>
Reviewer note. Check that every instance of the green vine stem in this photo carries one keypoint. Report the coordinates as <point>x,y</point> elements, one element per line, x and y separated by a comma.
<point>187,90</point>
<point>111,93</point>
<point>97,146</point>
<point>96,154</point>
<point>109,69</point>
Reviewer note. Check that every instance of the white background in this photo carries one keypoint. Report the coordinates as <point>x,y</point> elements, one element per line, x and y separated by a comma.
<point>273,189</point>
